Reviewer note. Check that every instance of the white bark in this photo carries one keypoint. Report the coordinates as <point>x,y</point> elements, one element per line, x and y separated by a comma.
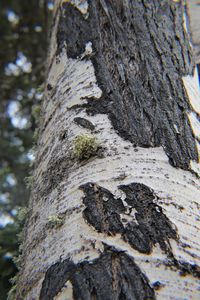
<point>192,87</point>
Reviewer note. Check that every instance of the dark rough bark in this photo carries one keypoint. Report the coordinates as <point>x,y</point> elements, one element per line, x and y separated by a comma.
<point>84,123</point>
<point>140,55</point>
<point>114,275</point>
<point>185,268</point>
<point>152,226</point>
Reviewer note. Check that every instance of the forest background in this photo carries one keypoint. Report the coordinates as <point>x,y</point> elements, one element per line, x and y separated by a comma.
<point>23,49</point>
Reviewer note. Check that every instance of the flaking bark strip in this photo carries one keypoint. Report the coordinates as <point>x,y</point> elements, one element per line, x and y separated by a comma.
<point>109,215</point>
<point>114,275</point>
<point>141,53</point>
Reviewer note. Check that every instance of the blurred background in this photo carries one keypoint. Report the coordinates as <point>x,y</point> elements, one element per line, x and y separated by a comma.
<point>23,48</point>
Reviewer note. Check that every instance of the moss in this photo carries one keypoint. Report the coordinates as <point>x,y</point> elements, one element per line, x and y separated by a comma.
<point>55,221</point>
<point>85,146</point>
<point>12,293</point>
<point>18,261</point>
<point>14,279</point>
<point>29,181</point>
<point>36,111</point>
<point>36,134</point>
<point>20,221</point>
<point>22,214</point>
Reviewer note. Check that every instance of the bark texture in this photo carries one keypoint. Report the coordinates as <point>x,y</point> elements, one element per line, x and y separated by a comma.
<point>141,54</point>
<point>94,280</point>
<point>121,74</point>
<point>108,214</point>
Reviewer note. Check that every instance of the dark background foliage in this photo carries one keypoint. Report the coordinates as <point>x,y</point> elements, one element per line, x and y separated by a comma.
<point>23,44</point>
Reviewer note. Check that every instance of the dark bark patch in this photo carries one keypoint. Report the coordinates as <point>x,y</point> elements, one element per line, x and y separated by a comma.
<point>84,123</point>
<point>114,275</point>
<point>158,285</point>
<point>185,268</point>
<point>149,226</point>
<point>55,278</point>
<point>63,135</point>
<point>102,209</point>
<point>72,30</point>
<point>49,87</point>
<point>152,225</point>
<point>141,53</point>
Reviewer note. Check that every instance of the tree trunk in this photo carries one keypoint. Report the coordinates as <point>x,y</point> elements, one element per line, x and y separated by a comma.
<point>194,13</point>
<point>115,199</point>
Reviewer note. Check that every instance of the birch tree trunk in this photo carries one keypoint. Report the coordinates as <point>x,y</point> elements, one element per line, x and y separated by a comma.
<point>114,212</point>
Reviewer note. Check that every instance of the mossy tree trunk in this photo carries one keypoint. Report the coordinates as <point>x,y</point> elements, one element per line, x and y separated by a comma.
<point>115,200</point>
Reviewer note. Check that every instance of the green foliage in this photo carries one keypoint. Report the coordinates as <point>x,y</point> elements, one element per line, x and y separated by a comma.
<point>8,248</point>
<point>85,146</point>
<point>23,26</point>
<point>17,259</point>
